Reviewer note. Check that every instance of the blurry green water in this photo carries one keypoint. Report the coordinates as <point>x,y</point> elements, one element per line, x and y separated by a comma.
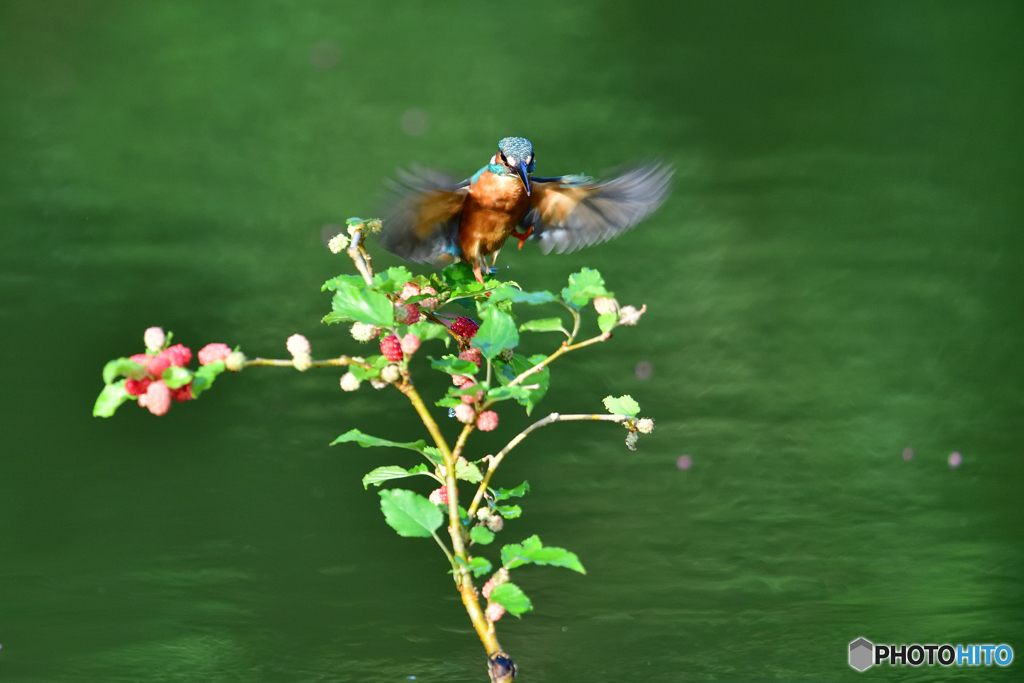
<point>837,276</point>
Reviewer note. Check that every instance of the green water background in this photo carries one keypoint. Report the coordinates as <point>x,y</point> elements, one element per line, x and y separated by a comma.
<point>836,277</point>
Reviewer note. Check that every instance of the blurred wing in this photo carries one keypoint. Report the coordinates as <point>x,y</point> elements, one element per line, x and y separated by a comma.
<point>422,216</point>
<point>572,212</point>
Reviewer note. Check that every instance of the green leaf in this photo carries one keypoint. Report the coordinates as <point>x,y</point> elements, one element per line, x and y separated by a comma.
<point>392,280</point>
<point>367,441</point>
<point>508,511</point>
<point>175,377</point>
<point>623,405</point>
<point>363,305</point>
<point>504,393</point>
<point>584,286</point>
<point>507,292</point>
<point>509,371</point>
<point>205,375</point>
<point>110,399</point>
<point>467,471</point>
<point>478,565</point>
<point>376,364</point>
<point>481,535</point>
<point>122,366</point>
<point>383,474</point>
<point>532,551</point>
<point>454,365</point>
<point>409,513</point>
<point>512,598</point>
<point>343,281</point>
<point>427,329</point>
<point>517,492</point>
<point>606,321</point>
<point>433,455</point>
<point>544,325</point>
<point>497,333</point>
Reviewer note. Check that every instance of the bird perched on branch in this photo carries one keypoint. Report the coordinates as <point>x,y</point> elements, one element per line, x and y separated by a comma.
<point>434,219</point>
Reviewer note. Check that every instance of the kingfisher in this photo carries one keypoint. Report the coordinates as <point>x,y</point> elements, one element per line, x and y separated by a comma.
<point>434,219</point>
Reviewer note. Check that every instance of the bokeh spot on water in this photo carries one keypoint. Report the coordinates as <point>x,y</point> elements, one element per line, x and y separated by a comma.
<point>908,453</point>
<point>955,459</point>
<point>684,462</point>
<point>643,370</point>
<point>415,122</point>
<point>325,54</point>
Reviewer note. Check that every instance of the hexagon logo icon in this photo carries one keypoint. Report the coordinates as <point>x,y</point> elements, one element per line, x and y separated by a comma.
<point>861,654</point>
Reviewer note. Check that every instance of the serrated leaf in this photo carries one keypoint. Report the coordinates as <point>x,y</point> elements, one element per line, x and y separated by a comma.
<point>389,472</point>
<point>478,565</point>
<point>409,513</point>
<point>204,377</point>
<point>481,535</point>
<point>497,333</point>
<point>532,551</point>
<point>375,363</point>
<point>509,371</point>
<point>343,281</point>
<point>433,455</point>
<point>544,325</point>
<point>507,292</point>
<point>508,511</point>
<point>512,598</point>
<point>110,399</point>
<point>122,366</point>
<point>427,329</point>
<point>517,492</point>
<point>584,286</point>
<point>175,377</point>
<point>363,305</point>
<point>392,280</point>
<point>367,441</point>
<point>623,405</point>
<point>467,471</point>
<point>606,321</point>
<point>454,365</point>
<point>517,392</point>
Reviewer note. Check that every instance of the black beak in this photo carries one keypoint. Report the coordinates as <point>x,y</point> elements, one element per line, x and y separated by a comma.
<point>523,175</point>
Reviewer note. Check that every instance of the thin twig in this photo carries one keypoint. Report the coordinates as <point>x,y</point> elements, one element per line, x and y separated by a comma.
<point>330,362</point>
<point>495,460</point>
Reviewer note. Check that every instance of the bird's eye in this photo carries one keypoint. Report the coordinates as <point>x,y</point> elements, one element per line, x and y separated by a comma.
<point>503,160</point>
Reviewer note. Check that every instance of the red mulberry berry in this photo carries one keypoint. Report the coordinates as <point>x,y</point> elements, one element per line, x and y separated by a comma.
<point>465,413</point>
<point>178,355</point>
<point>461,381</point>
<point>140,359</point>
<point>409,290</point>
<point>410,343</point>
<point>473,356</point>
<point>488,421</point>
<point>158,363</point>
<point>157,398</point>
<point>407,314</point>
<point>211,353</point>
<point>495,611</point>
<point>432,302</point>
<point>182,394</point>
<point>465,327</point>
<point>488,587</point>
<point>137,387</point>
<point>391,347</point>
<point>439,496</point>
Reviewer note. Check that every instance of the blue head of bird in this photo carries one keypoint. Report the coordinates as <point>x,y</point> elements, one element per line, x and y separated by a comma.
<point>516,154</point>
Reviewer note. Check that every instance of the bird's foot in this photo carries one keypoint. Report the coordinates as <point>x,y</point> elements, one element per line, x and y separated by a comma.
<point>522,236</point>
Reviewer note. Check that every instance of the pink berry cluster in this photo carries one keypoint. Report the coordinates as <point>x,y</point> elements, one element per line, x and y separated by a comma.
<point>411,289</point>
<point>439,496</point>
<point>395,349</point>
<point>495,610</point>
<point>151,390</point>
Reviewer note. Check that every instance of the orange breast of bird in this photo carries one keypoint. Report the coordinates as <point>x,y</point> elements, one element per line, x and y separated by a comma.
<point>495,206</point>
